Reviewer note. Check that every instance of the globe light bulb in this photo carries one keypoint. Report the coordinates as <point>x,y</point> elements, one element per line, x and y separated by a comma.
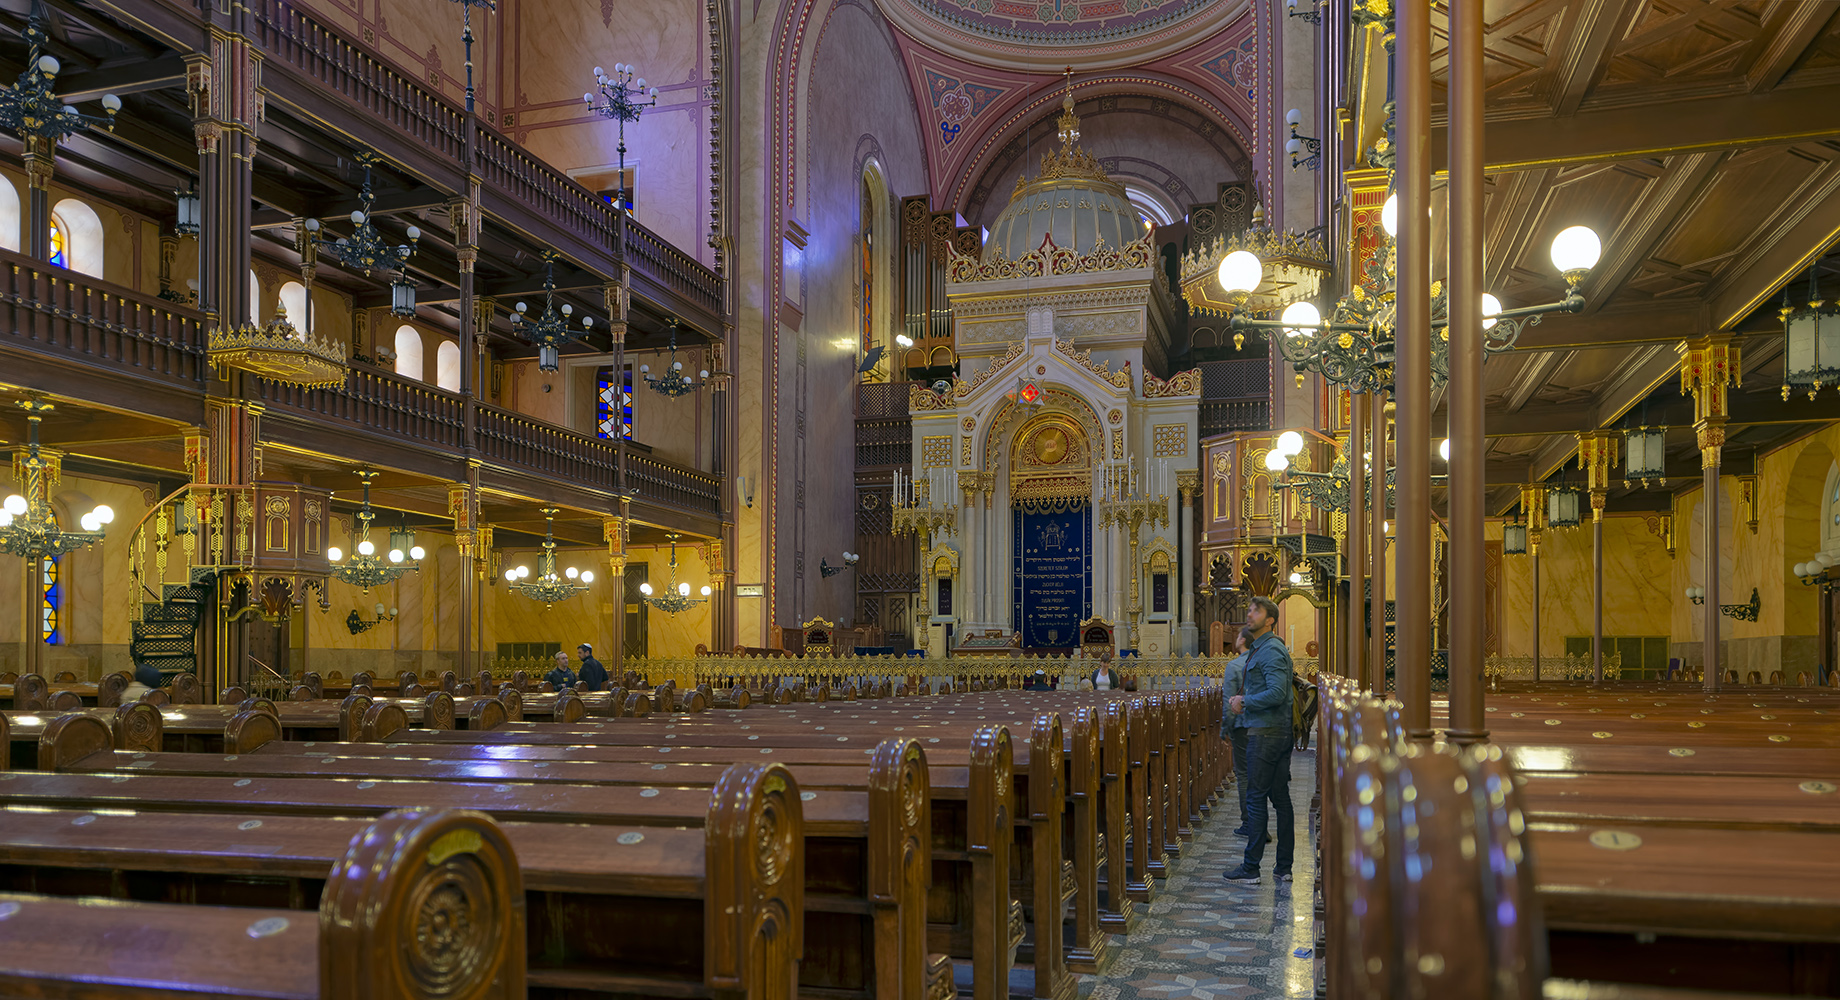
<point>1491,306</point>
<point>646,589</point>
<point>511,575</point>
<point>88,521</point>
<point>1801,569</point>
<point>416,552</point>
<point>15,505</point>
<point>396,555</point>
<point>104,513</point>
<point>1823,559</point>
<point>1290,442</point>
<point>111,103</point>
<point>1241,271</point>
<point>1296,578</point>
<point>48,65</point>
<point>1444,449</point>
<point>1277,461</point>
<point>568,310</point>
<point>572,573</point>
<point>1576,249</point>
<point>334,554</point>
<point>6,518</point>
<point>414,233</point>
<point>1305,315</point>
<point>523,572</point>
<point>365,547</point>
<point>357,218</point>
<point>1293,117</point>
<point>587,576</point>
<point>1389,215</point>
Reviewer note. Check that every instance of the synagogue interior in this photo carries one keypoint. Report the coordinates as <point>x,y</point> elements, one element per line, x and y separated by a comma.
<point>861,499</point>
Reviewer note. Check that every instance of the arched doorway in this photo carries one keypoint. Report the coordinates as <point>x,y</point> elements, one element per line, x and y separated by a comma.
<point>1051,477</point>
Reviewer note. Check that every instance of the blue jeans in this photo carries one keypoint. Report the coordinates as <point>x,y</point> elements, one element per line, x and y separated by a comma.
<point>1268,757</point>
<point>1236,736</point>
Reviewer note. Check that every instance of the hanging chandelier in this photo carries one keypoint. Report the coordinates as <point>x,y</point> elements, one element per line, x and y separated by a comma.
<point>30,110</point>
<point>551,330</point>
<point>366,249</point>
<point>1356,345</point>
<point>549,586</point>
<point>366,569</point>
<point>1811,357</point>
<point>675,382</point>
<point>1293,267</point>
<point>677,598</point>
<point>623,91</point>
<point>279,353</point>
<point>28,526</point>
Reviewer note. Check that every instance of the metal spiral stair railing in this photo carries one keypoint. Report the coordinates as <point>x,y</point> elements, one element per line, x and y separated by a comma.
<point>177,552</point>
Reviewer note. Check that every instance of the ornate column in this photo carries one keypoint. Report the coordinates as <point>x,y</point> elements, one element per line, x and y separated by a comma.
<point>971,540</point>
<point>40,163</point>
<point>722,607</point>
<point>462,216</point>
<point>613,529</point>
<point>1709,366</point>
<point>463,505</point>
<point>1188,483</point>
<point>1468,495</point>
<point>225,90</point>
<point>1596,454</point>
<point>1533,507</point>
<point>1412,379</point>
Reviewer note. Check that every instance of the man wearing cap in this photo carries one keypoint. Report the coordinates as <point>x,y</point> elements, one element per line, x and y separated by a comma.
<point>593,676</point>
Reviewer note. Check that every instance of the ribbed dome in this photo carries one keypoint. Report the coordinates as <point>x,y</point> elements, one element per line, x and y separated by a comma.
<point>1077,211</point>
<point>1071,200</point>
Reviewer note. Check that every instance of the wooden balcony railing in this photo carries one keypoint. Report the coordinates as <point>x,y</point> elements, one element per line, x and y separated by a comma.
<point>673,485</point>
<point>58,313</point>
<point>379,401</point>
<point>289,35</point>
<point>516,440</point>
<point>336,65</point>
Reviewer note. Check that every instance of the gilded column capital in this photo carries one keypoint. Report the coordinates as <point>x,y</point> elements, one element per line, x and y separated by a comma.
<point>1709,368</point>
<point>1188,483</point>
<point>1597,452</point>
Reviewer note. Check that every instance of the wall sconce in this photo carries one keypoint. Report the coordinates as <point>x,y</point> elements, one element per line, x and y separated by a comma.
<point>359,626</point>
<point>747,491</point>
<point>825,569</point>
<point>1741,612</point>
<point>1814,570</point>
<point>1312,16</point>
<point>1297,144</point>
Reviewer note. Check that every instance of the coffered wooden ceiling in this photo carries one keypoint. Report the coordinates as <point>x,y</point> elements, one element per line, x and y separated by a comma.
<point>1701,140</point>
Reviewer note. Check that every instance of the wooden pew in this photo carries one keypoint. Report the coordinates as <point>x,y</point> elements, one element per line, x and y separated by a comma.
<point>868,862</point>
<point>710,911</point>
<point>381,891</point>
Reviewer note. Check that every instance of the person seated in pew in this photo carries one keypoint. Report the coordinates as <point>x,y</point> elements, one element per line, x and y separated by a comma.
<point>593,676</point>
<point>1267,707</point>
<point>1038,682</point>
<point>1233,725</point>
<point>1105,678</point>
<point>561,678</point>
<point>146,678</point>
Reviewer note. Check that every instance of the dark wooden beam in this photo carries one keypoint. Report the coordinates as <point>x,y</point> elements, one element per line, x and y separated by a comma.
<point>1807,230</point>
<point>1777,118</point>
<point>1599,23</point>
<point>1801,24</point>
<point>121,80</point>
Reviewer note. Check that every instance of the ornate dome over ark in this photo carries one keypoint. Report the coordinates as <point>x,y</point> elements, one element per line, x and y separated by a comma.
<point>1072,201</point>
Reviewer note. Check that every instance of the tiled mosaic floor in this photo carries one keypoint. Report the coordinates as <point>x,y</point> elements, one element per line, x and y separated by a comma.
<point>1206,939</point>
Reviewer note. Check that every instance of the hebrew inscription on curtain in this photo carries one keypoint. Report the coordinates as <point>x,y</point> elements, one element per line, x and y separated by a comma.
<point>1053,576</point>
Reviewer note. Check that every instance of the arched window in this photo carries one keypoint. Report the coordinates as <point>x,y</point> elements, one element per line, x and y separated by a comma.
<point>9,215</point>
<point>294,300</point>
<point>49,593</point>
<point>408,351</point>
<point>447,366</point>
<point>255,298</point>
<point>76,237</point>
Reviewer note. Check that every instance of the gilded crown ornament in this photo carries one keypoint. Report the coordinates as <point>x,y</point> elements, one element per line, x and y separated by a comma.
<point>279,353</point>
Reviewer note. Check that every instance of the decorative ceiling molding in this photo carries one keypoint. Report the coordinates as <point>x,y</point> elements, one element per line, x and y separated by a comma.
<point>1046,35</point>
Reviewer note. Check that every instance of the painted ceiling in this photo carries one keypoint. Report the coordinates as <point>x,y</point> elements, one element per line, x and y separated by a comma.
<point>1046,35</point>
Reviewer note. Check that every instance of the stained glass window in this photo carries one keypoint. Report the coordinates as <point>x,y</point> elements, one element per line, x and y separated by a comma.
<point>48,602</point>
<point>59,243</point>
<point>613,400</point>
<point>868,264</point>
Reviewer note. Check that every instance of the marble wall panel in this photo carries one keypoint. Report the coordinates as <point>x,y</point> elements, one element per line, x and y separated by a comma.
<point>1639,595</point>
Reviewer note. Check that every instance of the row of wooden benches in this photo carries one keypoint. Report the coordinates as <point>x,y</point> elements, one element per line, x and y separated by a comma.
<point>1658,854</point>
<point>873,832</point>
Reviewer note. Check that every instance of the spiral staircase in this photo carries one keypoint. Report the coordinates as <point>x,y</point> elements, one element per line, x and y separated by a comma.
<point>178,551</point>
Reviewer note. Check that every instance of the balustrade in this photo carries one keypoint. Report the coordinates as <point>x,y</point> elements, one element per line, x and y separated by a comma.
<point>54,312</point>
<point>379,401</point>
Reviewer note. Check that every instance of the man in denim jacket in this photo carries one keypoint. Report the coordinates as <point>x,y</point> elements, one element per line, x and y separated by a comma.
<point>1267,708</point>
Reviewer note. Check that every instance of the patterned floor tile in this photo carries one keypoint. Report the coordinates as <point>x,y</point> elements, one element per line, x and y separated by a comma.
<point>1206,939</point>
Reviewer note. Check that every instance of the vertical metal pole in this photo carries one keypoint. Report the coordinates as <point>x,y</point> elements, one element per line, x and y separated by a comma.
<point>1533,546</point>
<point>1412,374</point>
<point>1597,588</point>
<point>1468,500</point>
<point>1709,545</point>
<point>1356,666</point>
<point>1376,644</point>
